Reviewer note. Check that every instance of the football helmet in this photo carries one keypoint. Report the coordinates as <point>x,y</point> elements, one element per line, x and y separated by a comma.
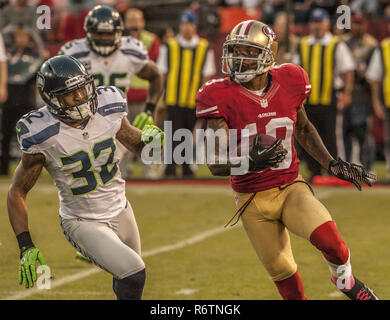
<point>104,28</point>
<point>59,80</point>
<point>253,34</point>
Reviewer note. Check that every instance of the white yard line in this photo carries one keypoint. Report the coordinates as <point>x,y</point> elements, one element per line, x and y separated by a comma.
<point>181,244</point>
<point>320,194</point>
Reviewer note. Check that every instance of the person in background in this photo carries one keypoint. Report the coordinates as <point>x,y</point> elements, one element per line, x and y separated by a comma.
<point>357,119</point>
<point>3,72</point>
<point>24,60</point>
<point>187,61</point>
<point>288,42</point>
<point>378,75</point>
<point>330,65</point>
<point>137,93</point>
<point>18,12</point>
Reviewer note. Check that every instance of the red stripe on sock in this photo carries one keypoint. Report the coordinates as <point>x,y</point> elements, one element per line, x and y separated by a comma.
<point>327,238</point>
<point>291,288</point>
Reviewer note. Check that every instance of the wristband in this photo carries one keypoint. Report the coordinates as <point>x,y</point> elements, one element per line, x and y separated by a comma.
<point>24,240</point>
<point>150,107</point>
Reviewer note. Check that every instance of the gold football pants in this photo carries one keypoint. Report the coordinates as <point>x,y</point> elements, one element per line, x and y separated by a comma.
<point>271,213</point>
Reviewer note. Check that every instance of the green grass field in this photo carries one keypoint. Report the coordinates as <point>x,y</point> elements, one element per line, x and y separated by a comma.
<point>188,253</point>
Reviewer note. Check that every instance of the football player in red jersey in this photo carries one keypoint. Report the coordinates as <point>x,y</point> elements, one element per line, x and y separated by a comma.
<point>272,197</point>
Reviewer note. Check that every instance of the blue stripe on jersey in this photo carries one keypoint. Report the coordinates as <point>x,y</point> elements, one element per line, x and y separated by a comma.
<point>41,136</point>
<point>112,108</point>
<point>79,55</point>
<point>135,53</point>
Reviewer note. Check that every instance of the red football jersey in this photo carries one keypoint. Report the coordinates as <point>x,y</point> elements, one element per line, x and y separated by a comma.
<point>273,113</point>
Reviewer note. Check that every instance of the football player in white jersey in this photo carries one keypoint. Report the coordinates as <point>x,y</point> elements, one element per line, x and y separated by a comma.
<point>113,59</point>
<point>74,138</point>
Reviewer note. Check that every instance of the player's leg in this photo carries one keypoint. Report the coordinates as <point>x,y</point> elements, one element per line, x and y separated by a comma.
<point>98,242</point>
<point>125,226</point>
<point>271,242</point>
<point>305,216</point>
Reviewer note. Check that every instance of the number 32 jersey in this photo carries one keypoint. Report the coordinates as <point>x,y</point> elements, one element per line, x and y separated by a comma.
<point>274,114</point>
<point>82,162</point>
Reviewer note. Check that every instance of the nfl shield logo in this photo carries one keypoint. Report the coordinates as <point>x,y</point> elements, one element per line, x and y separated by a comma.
<point>85,135</point>
<point>264,103</point>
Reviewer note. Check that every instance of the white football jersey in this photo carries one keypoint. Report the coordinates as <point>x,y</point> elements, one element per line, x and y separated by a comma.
<point>82,162</point>
<point>116,69</point>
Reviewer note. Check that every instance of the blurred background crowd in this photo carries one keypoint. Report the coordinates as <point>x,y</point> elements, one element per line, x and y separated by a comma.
<point>350,111</point>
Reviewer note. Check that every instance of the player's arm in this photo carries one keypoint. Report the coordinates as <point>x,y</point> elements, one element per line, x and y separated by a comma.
<point>151,73</point>
<point>3,81</point>
<point>134,139</point>
<point>258,159</point>
<point>24,179</point>
<point>377,105</point>
<point>218,169</point>
<point>308,137</point>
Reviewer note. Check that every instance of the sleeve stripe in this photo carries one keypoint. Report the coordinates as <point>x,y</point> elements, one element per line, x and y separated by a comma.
<point>215,109</point>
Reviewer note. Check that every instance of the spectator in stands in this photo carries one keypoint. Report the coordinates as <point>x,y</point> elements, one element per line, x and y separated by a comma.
<point>137,93</point>
<point>165,33</point>
<point>357,119</point>
<point>24,60</point>
<point>330,67</point>
<point>18,12</point>
<point>3,72</point>
<point>73,25</point>
<point>186,61</point>
<point>378,75</point>
<point>287,41</point>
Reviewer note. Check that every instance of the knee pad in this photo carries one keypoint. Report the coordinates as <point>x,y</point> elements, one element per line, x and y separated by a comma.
<point>131,287</point>
<point>327,238</point>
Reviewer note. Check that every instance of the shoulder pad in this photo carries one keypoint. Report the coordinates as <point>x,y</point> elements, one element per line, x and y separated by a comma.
<point>76,48</point>
<point>133,47</point>
<point>111,100</point>
<point>35,129</point>
<point>293,77</point>
<point>209,99</point>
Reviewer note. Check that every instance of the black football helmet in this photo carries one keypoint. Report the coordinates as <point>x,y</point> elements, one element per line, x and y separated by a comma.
<point>101,23</point>
<point>58,79</point>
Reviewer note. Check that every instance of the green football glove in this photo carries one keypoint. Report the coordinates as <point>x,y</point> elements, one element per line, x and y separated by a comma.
<point>153,136</point>
<point>143,119</point>
<point>27,267</point>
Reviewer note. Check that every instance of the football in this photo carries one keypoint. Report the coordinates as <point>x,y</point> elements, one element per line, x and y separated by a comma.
<point>265,141</point>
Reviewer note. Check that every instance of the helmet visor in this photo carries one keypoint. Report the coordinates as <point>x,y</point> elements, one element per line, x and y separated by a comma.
<point>245,58</point>
<point>104,43</point>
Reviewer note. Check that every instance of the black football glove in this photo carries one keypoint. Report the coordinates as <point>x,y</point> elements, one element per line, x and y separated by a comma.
<point>261,158</point>
<point>351,172</point>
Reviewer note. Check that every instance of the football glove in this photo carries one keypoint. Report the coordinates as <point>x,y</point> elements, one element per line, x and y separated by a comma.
<point>143,119</point>
<point>351,172</point>
<point>27,266</point>
<point>152,136</point>
<point>261,158</point>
